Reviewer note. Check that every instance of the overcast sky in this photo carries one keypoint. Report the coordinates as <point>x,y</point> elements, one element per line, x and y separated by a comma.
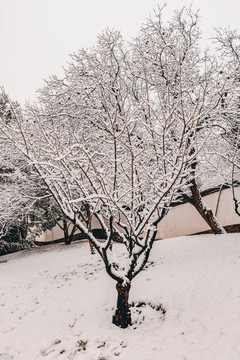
<point>37,35</point>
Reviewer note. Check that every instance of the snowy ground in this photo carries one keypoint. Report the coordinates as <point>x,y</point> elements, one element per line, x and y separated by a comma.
<point>57,303</point>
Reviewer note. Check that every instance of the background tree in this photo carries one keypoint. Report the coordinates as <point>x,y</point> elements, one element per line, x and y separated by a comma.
<point>228,136</point>
<point>168,62</point>
<point>12,169</point>
<point>25,205</point>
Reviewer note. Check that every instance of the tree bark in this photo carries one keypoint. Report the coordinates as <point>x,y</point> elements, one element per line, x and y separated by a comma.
<point>68,237</point>
<point>65,230</point>
<point>206,213</point>
<point>23,229</point>
<point>122,316</point>
<point>89,228</point>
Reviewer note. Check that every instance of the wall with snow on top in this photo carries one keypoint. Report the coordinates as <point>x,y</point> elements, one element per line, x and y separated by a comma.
<point>181,220</point>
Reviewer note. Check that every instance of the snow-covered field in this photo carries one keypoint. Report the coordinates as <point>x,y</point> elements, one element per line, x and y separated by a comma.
<point>57,303</point>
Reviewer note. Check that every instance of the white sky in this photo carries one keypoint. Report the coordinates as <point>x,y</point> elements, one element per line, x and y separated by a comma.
<point>37,35</point>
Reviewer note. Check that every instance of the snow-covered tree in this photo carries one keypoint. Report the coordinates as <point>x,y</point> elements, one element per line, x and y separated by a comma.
<point>24,200</point>
<point>13,208</point>
<point>227,139</point>
<point>117,138</point>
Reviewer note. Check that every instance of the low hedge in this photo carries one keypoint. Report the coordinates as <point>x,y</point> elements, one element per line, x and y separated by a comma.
<point>7,247</point>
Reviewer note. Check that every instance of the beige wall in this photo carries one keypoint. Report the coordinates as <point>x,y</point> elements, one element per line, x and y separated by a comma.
<point>185,220</point>
<point>57,233</point>
<point>50,235</point>
<point>180,220</point>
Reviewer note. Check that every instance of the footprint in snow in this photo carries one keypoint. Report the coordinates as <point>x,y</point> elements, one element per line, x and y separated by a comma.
<point>51,348</point>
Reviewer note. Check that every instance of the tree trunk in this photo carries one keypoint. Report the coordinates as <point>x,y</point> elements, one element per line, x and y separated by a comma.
<point>122,316</point>
<point>66,235</point>
<point>89,228</point>
<point>23,229</point>
<point>206,213</point>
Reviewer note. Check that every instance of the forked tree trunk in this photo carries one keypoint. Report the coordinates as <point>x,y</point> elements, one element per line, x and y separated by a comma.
<point>68,237</point>
<point>206,213</point>
<point>122,316</point>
